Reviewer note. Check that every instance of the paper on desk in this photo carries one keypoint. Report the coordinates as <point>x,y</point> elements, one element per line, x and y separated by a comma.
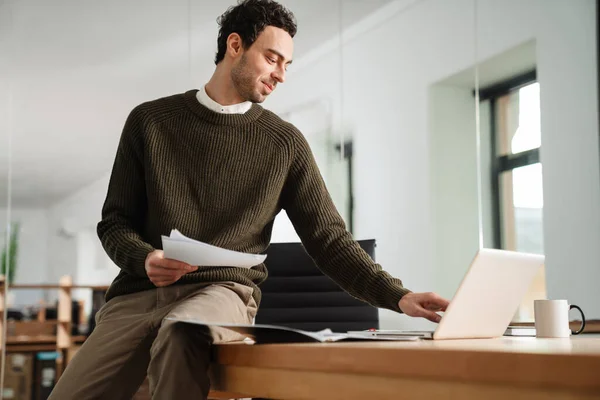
<point>179,247</point>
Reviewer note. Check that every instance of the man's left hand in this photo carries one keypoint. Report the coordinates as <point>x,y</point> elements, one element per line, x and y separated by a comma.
<point>423,305</point>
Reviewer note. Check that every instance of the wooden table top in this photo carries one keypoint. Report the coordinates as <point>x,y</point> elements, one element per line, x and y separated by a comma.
<point>572,363</point>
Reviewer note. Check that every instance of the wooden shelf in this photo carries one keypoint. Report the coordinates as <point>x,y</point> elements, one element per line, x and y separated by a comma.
<point>40,339</point>
<point>36,339</point>
<point>31,347</point>
<point>40,286</point>
<point>62,341</point>
<point>37,343</point>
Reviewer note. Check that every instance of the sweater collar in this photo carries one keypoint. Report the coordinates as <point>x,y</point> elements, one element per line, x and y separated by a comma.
<point>205,113</point>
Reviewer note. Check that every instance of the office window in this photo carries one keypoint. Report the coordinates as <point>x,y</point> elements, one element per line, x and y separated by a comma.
<point>519,172</point>
<point>516,174</point>
<point>517,190</point>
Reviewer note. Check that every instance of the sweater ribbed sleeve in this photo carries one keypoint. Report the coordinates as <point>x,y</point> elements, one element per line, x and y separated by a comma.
<point>325,237</point>
<point>124,210</point>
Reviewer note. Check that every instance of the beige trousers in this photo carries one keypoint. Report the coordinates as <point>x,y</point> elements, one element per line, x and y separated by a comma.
<point>132,339</point>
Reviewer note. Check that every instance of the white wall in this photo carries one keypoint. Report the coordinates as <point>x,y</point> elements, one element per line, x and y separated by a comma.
<point>32,253</point>
<point>78,215</point>
<point>569,116</point>
<point>454,186</point>
<point>70,224</point>
<point>388,71</point>
<point>76,248</point>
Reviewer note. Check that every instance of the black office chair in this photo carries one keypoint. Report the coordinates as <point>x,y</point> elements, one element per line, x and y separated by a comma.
<point>298,295</point>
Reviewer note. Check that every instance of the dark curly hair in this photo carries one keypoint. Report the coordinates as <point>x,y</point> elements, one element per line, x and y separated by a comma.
<point>248,19</point>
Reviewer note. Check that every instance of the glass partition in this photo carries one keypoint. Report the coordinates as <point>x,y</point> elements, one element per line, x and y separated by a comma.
<point>538,80</point>
<point>382,90</point>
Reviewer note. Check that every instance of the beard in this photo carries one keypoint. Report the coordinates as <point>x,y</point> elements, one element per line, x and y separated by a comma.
<point>243,81</point>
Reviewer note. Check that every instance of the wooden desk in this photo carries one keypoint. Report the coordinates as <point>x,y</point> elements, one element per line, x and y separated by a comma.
<point>503,368</point>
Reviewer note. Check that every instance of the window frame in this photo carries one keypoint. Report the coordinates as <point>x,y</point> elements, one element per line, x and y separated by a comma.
<point>509,162</point>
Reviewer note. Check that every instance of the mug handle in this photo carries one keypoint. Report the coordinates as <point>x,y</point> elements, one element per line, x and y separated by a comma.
<point>577,332</point>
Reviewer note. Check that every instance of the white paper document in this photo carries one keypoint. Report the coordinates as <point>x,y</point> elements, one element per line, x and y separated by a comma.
<point>179,247</point>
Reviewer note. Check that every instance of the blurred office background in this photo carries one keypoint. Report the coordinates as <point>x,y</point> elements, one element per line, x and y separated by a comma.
<point>404,102</point>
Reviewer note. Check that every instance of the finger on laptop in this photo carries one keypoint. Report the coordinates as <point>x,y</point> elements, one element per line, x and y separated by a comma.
<point>432,316</point>
<point>435,300</point>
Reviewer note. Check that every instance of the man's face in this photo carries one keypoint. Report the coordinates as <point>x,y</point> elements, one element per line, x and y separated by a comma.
<point>257,70</point>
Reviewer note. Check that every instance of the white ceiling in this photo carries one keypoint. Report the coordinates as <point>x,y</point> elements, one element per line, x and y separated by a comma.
<point>71,70</point>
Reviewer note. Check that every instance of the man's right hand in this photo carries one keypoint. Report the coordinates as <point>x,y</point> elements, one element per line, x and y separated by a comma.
<point>164,271</point>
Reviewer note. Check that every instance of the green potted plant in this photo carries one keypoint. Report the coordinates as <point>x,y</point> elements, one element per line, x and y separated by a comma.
<point>9,253</point>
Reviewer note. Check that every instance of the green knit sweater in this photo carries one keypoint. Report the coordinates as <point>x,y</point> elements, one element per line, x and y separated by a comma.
<point>222,179</point>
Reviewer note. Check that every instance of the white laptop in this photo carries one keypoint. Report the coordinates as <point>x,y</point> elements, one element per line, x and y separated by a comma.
<point>487,298</point>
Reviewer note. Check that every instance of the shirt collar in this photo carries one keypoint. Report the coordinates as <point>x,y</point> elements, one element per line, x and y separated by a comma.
<point>209,103</point>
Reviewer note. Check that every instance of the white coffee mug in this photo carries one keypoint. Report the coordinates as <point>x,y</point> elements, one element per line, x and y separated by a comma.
<point>552,318</point>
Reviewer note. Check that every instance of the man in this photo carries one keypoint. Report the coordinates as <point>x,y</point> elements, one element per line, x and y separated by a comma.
<point>218,167</point>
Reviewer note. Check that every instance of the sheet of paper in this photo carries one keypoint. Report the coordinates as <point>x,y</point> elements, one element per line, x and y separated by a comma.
<point>179,247</point>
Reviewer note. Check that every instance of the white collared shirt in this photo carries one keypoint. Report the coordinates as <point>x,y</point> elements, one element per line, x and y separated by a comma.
<point>209,103</point>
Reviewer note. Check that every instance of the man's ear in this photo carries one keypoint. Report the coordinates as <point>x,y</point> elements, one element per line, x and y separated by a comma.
<point>234,45</point>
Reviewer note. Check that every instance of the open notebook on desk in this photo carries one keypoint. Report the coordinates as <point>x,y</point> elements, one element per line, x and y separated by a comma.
<point>263,334</point>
